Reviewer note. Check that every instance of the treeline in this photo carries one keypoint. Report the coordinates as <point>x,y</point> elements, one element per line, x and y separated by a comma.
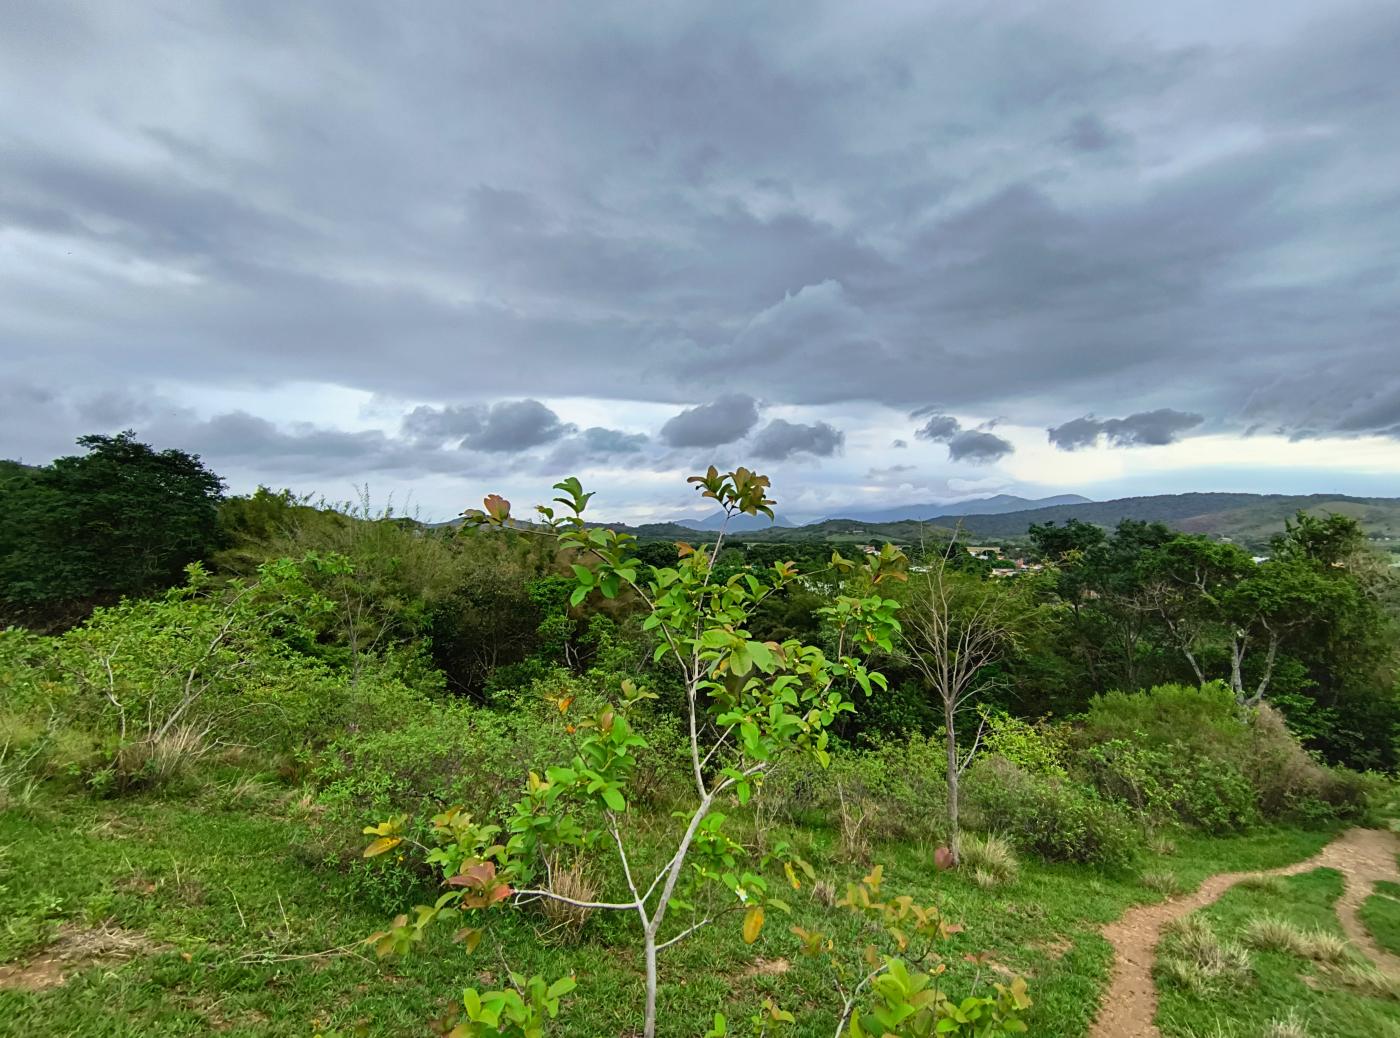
<point>1311,629</point>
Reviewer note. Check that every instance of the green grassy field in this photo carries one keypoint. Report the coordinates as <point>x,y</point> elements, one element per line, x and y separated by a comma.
<point>1381,914</point>
<point>225,890</point>
<point>1237,988</point>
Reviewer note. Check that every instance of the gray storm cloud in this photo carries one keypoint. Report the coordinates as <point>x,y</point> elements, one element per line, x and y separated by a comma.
<point>974,446</point>
<point>1013,212</point>
<point>781,439</point>
<point>1145,429</point>
<point>723,420</point>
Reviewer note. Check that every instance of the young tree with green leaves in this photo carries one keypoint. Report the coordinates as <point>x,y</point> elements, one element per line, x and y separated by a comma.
<point>748,704</point>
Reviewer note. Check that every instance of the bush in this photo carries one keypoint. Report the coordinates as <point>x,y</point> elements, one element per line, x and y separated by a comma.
<point>1039,747</point>
<point>442,754</point>
<point>155,686</point>
<point>897,787</point>
<point>1046,815</point>
<point>1205,719</point>
<point>1191,755</point>
<point>1211,794</point>
<point>1291,782</point>
<point>454,753</point>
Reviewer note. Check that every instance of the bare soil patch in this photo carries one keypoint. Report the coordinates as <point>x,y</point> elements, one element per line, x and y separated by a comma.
<point>73,949</point>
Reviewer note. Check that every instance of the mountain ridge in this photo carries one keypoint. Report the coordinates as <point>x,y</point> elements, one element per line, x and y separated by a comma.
<point>997,504</point>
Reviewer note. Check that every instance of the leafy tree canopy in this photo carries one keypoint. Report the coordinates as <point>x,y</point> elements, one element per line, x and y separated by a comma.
<point>122,519</point>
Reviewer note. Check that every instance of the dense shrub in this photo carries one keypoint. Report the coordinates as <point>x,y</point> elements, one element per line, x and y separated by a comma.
<point>154,686</point>
<point>1039,747</point>
<point>455,752</point>
<point>1194,756</point>
<point>897,787</point>
<point>1210,794</point>
<point>1291,782</point>
<point>1045,815</point>
<point>1203,719</point>
<point>452,753</point>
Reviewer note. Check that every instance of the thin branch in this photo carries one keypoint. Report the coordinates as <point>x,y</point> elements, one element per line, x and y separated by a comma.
<point>525,896</point>
<point>684,933</point>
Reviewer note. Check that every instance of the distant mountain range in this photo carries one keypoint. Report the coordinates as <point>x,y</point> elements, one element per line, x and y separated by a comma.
<point>738,524</point>
<point>997,505</point>
<point>979,505</point>
<point>1249,519</point>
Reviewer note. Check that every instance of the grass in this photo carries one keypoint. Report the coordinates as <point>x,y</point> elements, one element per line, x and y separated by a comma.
<point>1303,978</point>
<point>1193,958</point>
<point>1271,933</point>
<point>1164,882</point>
<point>226,888</point>
<point>991,859</point>
<point>1381,915</point>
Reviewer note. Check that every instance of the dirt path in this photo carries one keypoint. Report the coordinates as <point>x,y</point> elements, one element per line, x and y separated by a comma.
<point>1129,1007</point>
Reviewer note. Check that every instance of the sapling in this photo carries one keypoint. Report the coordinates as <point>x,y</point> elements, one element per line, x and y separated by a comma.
<point>747,704</point>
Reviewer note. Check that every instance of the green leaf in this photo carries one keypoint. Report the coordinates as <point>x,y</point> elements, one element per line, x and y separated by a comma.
<point>561,987</point>
<point>614,799</point>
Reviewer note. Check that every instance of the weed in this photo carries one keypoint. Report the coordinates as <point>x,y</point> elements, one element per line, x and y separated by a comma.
<point>985,880</point>
<point>1365,979</point>
<point>1270,933</point>
<point>1161,845</point>
<point>1194,959</point>
<point>1164,882</point>
<point>1289,1026</point>
<point>1264,884</point>
<point>570,882</point>
<point>991,859</point>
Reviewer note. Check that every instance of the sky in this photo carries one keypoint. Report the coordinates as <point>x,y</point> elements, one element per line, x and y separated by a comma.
<point>885,252</point>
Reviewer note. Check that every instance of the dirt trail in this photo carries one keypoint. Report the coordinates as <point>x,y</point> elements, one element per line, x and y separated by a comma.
<point>1129,1007</point>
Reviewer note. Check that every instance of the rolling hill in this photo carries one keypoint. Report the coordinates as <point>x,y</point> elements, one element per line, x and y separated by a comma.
<point>996,505</point>
<point>1249,519</point>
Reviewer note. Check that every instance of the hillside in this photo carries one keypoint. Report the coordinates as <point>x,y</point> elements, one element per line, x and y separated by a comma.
<point>1246,518</point>
<point>1249,519</point>
<point>996,505</point>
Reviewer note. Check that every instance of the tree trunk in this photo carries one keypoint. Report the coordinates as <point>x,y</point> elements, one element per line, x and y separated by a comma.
<point>952,746</point>
<point>1236,661</point>
<point>650,1031</point>
<point>1268,674</point>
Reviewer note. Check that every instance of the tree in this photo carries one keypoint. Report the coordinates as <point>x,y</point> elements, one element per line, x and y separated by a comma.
<point>123,519</point>
<point>748,704</point>
<point>1186,582</point>
<point>956,628</point>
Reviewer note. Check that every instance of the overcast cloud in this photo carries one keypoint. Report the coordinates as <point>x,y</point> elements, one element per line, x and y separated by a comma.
<point>458,246</point>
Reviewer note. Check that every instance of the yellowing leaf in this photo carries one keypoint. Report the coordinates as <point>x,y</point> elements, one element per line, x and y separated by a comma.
<point>753,923</point>
<point>379,846</point>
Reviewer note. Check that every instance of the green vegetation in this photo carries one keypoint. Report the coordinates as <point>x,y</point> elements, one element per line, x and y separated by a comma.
<point>1261,959</point>
<point>121,520</point>
<point>670,788</point>
<point>1381,914</point>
